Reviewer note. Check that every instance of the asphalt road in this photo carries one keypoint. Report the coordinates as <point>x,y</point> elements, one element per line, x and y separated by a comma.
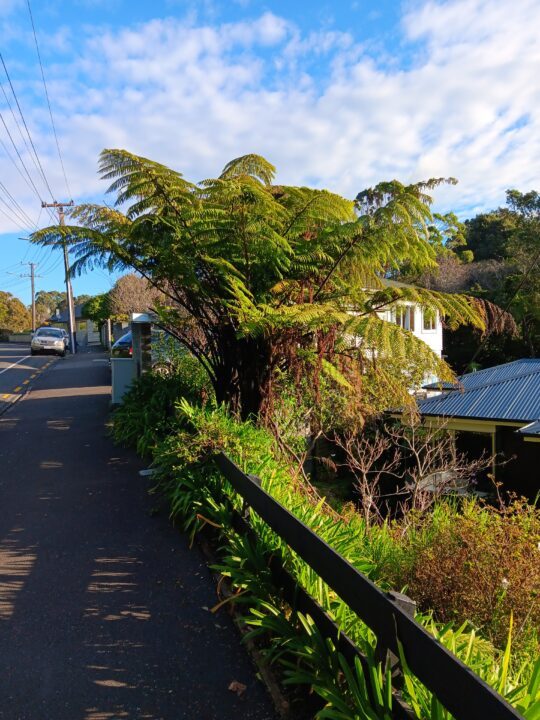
<point>18,371</point>
<point>104,609</point>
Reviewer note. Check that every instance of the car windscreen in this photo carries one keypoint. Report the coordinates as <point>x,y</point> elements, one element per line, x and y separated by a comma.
<point>124,340</point>
<point>49,332</point>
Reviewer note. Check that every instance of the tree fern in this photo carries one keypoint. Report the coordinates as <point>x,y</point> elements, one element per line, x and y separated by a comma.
<point>257,274</point>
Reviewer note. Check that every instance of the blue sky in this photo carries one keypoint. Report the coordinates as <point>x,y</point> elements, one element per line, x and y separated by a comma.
<point>338,95</point>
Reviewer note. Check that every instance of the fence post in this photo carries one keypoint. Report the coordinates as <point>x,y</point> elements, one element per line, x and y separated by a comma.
<point>245,506</point>
<point>382,653</point>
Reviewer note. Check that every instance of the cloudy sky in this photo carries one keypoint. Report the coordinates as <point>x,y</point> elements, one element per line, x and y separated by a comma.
<point>337,94</point>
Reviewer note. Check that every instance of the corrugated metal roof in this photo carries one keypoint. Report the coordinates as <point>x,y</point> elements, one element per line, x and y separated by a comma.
<point>508,392</point>
<point>441,385</point>
<point>532,429</point>
<point>501,372</point>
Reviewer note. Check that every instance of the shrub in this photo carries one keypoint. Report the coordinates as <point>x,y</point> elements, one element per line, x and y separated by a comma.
<point>183,437</point>
<point>199,497</point>
<point>476,563</point>
<point>148,412</point>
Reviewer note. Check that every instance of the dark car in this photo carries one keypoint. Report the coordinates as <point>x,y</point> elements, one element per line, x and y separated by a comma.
<point>162,364</point>
<point>123,347</point>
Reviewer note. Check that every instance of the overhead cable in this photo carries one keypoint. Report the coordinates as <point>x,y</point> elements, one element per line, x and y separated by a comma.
<point>26,127</point>
<point>20,211</point>
<point>48,100</point>
<point>12,218</point>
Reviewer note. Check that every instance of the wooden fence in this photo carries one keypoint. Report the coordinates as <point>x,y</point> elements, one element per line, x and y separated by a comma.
<point>388,615</point>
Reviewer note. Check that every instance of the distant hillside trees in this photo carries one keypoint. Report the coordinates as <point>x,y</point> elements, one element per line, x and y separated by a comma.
<point>14,316</point>
<point>505,245</point>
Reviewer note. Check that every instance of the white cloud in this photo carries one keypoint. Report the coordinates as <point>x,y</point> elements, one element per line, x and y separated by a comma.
<point>316,105</point>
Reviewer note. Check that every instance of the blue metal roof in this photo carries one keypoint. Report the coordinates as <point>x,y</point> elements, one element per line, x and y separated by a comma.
<point>509,392</point>
<point>441,385</point>
<point>532,430</point>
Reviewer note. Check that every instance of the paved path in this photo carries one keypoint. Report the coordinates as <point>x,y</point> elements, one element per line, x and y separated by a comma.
<point>102,604</point>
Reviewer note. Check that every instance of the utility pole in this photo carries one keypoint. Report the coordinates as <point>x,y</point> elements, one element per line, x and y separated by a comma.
<point>32,285</point>
<point>59,207</point>
<point>32,277</point>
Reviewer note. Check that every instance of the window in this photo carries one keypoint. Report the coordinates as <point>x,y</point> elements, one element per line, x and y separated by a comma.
<point>404,317</point>
<point>430,319</point>
<point>49,332</point>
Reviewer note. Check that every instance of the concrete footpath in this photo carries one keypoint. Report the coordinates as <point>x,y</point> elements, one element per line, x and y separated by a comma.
<point>103,608</point>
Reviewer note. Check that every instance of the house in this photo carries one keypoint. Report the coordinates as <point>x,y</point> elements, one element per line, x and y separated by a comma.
<point>87,331</point>
<point>425,323</point>
<point>497,411</point>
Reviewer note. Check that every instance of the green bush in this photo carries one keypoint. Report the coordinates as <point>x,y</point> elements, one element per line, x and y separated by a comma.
<point>148,409</point>
<point>183,436</point>
<point>473,562</point>
<point>199,497</point>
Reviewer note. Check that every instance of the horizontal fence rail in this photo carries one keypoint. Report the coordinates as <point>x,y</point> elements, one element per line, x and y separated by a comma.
<point>455,685</point>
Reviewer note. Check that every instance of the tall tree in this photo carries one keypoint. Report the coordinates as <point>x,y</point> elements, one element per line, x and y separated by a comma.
<point>14,316</point>
<point>262,277</point>
<point>97,308</point>
<point>47,302</point>
<point>132,293</point>
<point>523,286</point>
<point>488,234</point>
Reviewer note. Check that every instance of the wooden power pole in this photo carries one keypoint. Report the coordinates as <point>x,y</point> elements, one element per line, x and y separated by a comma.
<point>32,277</point>
<point>59,207</point>
<point>32,285</point>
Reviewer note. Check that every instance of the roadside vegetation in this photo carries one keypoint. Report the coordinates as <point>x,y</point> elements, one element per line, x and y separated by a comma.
<point>275,294</point>
<point>472,568</point>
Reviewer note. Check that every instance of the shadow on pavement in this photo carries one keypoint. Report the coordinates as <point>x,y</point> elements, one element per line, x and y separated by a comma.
<point>103,608</point>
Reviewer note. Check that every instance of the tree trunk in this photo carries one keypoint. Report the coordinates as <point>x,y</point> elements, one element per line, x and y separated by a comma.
<point>243,377</point>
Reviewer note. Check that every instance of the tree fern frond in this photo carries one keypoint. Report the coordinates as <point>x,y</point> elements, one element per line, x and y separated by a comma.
<point>254,165</point>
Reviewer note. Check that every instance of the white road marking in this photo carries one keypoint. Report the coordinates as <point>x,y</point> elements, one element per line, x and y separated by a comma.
<point>13,365</point>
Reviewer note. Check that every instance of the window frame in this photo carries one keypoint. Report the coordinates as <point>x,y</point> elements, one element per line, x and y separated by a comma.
<point>433,316</point>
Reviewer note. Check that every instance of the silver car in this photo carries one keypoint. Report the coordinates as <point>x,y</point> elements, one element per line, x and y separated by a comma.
<point>48,340</point>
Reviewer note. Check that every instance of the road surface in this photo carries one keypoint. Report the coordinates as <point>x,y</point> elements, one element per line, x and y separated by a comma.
<point>104,609</point>
<point>18,370</point>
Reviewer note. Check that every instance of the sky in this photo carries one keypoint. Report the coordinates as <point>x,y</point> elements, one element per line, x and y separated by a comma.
<point>340,94</point>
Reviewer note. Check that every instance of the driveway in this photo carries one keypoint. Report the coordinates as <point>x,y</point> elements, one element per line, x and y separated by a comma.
<point>103,607</point>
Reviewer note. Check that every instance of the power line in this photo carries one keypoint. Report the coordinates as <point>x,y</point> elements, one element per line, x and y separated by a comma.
<point>27,179</point>
<point>11,218</point>
<point>52,268</point>
<point>18,209</point>
<point>26,126</point>
<point>18,126</point>
<point>48,101</point>
<point>32,184</point>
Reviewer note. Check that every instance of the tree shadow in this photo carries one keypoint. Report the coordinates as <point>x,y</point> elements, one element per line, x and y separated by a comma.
<point>103,607</point>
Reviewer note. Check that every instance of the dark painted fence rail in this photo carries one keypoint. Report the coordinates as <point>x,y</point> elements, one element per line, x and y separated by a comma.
<point>460,690</point>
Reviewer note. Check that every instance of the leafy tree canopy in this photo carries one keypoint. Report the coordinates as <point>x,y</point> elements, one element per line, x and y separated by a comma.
<point>132,293</point>
<point>261,277</point>
<point>14,316</point>
<point>97,308</point>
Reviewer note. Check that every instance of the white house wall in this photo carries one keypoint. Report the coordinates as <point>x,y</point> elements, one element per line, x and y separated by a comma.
<point>433,338</point>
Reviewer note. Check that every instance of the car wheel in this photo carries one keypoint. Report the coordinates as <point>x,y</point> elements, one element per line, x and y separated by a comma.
<point>33,352</point>
<point>62,354</point>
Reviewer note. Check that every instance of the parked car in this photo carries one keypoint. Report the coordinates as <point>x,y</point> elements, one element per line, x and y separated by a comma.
<point>48,340</point>
<point>123,347</point>
<point>161,363</point>
<point>65,335</point>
